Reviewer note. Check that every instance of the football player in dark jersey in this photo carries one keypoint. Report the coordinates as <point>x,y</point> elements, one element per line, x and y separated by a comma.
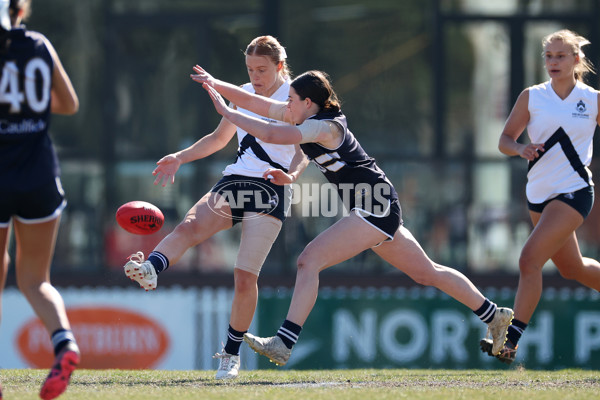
<point>375,219</point>
<point>34,85</point>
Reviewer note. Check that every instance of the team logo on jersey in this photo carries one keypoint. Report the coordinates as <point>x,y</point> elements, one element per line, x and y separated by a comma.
<point>581,110</point>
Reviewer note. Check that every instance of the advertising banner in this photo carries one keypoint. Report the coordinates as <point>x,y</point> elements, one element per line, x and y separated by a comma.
<point>115,328</point>
<point>181,329</point>
<point>424,328</point>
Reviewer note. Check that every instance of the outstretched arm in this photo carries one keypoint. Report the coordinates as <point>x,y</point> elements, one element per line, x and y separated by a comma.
<point>257,104</point>
<point>270,133</point>
<point>167,167</point>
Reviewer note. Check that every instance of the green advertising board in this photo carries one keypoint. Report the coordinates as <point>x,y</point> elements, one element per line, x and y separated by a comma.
<point>424,328</point>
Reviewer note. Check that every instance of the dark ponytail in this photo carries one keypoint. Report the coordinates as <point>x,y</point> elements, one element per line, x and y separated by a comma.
<point>316,86</point>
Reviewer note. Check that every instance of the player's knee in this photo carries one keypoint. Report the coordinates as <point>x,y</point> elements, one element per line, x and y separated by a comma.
<point>528,263</point>
<point>306,263</point>
<point>424,280</point>
<point>187,229</point>
<point>425,277</point>
<point>245,283</point>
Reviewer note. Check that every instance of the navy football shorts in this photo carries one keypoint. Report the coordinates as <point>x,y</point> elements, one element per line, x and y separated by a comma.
<point>250,194</point>
<point>582,201</point>
<point>387,223</point>
<point>32,206</point>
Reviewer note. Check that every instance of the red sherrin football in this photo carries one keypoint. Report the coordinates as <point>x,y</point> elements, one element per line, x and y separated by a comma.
<point>140,217</point>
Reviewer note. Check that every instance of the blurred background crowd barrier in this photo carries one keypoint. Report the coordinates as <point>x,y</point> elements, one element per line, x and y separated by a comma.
<point>426,86</point>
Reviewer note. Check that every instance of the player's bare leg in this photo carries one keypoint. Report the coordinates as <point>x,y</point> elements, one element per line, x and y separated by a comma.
<point>199,224</point>
<point>35,249</point>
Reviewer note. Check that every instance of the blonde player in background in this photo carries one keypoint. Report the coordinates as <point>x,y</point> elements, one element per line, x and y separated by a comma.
<point>561,116</point>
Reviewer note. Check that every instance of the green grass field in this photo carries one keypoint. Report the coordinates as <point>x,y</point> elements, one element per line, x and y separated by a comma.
<point>315,384</point>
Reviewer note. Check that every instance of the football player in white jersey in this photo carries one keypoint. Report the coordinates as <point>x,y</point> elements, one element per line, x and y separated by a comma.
<point>561,116</point>
<point>219,209</point>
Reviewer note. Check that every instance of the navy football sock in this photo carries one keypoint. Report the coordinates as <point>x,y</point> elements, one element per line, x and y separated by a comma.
<point>234,341</point>
<point>486,311</point>
<point>159,261</point>
<point>289,333</point>
<point>515,331</point>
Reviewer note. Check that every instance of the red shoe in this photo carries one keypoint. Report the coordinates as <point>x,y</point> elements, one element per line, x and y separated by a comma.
<point>60,374</point>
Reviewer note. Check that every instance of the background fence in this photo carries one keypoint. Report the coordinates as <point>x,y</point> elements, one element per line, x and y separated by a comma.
<point>350,327</point>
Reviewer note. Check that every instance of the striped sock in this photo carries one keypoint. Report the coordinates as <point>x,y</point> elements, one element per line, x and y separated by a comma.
<point>289,333</point>
<point>515,330</point>
<point>60,338</point>
<point>159,261</point>
<point>486,311</point>
<point>234,341</point>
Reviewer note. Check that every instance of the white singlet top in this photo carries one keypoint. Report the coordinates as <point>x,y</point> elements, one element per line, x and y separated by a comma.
<point>553,174</point>
<point>249,164</point>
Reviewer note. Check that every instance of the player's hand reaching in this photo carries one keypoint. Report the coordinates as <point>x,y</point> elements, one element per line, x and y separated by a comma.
<point>201,76</point>
<point>217,100</point>
<point>532,151</point>
<point>166,169</point>
<point>278,176</point>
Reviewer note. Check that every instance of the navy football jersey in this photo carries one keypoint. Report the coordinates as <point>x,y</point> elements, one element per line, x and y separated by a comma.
<point>27,157</point>
<point>348,166</point>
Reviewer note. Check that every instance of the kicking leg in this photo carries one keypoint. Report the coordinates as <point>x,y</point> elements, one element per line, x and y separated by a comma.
<point>200,223</point>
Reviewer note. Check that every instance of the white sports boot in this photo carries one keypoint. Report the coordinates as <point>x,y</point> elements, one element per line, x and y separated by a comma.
<point>498,327</point>
<point>141,271</point>
<point>271,347</point>
<point>229,365</point>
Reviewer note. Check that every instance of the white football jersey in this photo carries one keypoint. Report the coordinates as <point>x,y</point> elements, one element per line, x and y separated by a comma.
<point>553,173</point>
<point>248,164</point>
